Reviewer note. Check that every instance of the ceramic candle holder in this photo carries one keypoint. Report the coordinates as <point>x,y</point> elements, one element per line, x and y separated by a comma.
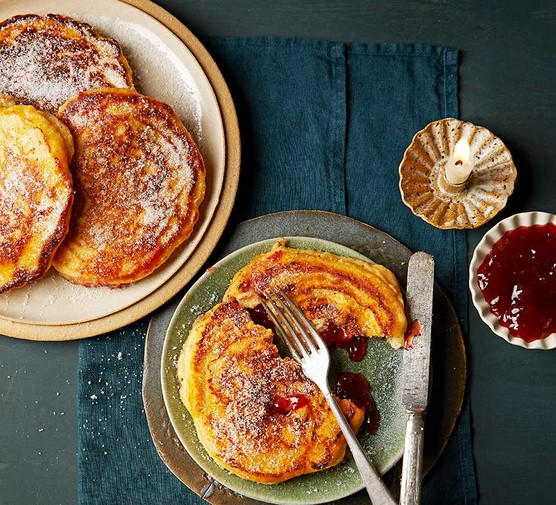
<point>427,192</point>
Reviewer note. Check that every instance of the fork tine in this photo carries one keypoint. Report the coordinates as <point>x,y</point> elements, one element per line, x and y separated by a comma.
<point>293,333</point>
<point>293,313</point>
<point>296,332</point>
<point>316,341</point>
<point>280,325</point>
<point>284,316</point>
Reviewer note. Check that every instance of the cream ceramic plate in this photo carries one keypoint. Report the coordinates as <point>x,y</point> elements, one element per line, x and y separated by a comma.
<point>381,366</point>
<point>163,67</point>
<point>481,251</point>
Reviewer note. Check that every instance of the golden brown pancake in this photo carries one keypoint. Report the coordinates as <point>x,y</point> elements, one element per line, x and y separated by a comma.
<point>36,193</point>
<point>7,101</point>
<point>64,132</point>
<point>241,396</point>
<point>139,181</point>
<point>46,60</point>
<point>358,297</point>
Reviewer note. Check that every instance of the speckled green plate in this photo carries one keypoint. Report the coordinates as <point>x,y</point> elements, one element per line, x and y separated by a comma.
<point>381,366</point>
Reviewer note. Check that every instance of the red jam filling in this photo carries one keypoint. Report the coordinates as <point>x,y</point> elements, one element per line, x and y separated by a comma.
<point>260,316</point>
<point>356,387</point>
<point>518,281</point>
<point>285,405</point>
<point>413,331</point>
<point>335,335</point>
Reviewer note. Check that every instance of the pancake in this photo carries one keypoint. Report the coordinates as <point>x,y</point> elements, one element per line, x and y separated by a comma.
<point>36,193</point>
<point>7,101</point>
<point>46,60</point>
<point>139,180</point>
<point>338,294</point>
<point>64,132</point>
<point>255,413</point>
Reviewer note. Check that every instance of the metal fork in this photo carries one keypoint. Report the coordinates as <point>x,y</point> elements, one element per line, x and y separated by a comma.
<point>309,350</point>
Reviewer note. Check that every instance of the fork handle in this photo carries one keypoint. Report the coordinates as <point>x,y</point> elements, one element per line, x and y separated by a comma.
<point>378,492</point>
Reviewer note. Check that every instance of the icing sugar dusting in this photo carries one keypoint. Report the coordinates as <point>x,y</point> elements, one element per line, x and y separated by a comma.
<point>144,174</point>
<point>32,70</point>
<point>166,79</point>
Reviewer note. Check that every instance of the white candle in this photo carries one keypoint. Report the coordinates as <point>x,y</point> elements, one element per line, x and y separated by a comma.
<point>459,165</point>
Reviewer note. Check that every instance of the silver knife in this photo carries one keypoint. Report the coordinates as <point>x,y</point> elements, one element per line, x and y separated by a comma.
<point>415,373</point>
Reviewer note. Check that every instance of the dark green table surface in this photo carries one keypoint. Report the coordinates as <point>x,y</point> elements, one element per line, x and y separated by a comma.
<point>508,84</point>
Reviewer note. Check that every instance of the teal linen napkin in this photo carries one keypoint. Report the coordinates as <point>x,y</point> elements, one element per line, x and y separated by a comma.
<point>324,126</point>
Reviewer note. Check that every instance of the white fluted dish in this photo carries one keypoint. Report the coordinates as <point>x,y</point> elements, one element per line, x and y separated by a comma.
<point>428,194</point>
<point>481,251</point>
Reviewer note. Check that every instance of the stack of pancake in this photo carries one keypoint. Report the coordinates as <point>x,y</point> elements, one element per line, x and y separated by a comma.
<point>105,190</point>
<point>255,412</point>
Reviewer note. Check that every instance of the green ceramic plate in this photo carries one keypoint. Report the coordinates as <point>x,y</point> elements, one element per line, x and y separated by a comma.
<point>381,366</point>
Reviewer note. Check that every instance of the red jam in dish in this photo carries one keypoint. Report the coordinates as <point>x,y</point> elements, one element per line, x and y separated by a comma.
<point>287,404</point>
<point>335,335</point>
<point>357,388</point>
<point>518,281</point>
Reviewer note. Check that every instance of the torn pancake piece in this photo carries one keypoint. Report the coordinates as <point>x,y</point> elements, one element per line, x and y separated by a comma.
<point>337,293</point>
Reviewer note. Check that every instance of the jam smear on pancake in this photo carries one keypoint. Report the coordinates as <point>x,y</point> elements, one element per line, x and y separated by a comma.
<point>287,404</point>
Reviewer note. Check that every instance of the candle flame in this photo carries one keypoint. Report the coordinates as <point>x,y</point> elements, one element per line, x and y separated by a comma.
<point>462,152</point>
<point>459,167</point>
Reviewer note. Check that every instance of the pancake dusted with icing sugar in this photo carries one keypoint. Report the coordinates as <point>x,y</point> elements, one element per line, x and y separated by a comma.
<point>358,298</point>
<point>139,181</point>
<point>255,413</point>
<point>36,191</point>
<point>46,60</point>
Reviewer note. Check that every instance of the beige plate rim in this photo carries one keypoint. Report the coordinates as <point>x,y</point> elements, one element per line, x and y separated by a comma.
<point>30,331</point>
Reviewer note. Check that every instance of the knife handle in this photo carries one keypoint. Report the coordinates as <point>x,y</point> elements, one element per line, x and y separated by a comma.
<point>412,467</point>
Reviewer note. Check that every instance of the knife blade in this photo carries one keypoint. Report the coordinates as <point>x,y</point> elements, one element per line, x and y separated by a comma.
<point>415,373</point>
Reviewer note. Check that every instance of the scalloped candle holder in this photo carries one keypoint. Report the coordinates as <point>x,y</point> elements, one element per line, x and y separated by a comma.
<point>429,195</point>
